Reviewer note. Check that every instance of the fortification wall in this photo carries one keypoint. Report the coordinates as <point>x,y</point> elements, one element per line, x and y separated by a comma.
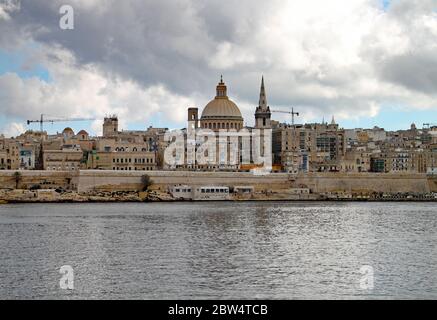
<point>116,180</point>
<point>88,180</point>
<point>46,179</point>
<point>317,182</point>
<point>366,182</point>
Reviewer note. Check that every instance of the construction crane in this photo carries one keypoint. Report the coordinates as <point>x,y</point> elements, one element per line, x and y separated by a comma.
<point>428,125</point>
<point>42,120</point>
<point>288,112</point>
<point>291,162</point>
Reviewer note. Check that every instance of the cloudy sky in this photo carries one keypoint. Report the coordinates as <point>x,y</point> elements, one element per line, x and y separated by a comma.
<point>367,62</point>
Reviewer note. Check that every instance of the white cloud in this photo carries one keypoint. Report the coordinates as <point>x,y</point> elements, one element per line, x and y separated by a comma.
<point>12,129</point>
<point>84,91</point>
<point>7,7</point>
<point>347,58</point>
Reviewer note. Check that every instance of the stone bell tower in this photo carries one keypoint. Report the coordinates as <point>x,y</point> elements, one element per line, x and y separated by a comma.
<point>193,118</point>
<point>110,126</point>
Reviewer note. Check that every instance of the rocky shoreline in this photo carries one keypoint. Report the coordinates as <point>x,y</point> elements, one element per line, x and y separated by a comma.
<point>61,196</point>
<point>52,196</point>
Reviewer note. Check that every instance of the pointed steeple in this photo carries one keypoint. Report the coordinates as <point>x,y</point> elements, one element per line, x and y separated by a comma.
<point>262,96</point>
<point>262,112</point>
<point>333,120</point>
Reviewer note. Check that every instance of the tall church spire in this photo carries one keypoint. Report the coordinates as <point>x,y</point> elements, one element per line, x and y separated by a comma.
<point>262,113</point>
<point>333,120</point>
<point>262,96</point>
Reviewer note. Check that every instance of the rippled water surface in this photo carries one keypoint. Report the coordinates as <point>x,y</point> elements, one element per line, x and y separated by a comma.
<point>219,250</point>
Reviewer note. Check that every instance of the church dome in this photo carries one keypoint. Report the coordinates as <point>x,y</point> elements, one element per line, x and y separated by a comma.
<point>68,131</point>
<point>82,132</point>
<point>221,107</point>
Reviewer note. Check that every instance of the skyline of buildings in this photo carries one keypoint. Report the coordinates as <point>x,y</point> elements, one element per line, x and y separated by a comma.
<point>58,126</point>
<point>309,147</point>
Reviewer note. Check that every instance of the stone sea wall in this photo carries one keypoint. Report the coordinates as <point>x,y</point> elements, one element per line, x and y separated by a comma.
<point>46,179</point>
<point>113,181</point>
<point>316,182</point>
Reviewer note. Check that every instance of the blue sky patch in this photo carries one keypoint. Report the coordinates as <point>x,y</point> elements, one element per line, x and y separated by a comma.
<point>16,62</point>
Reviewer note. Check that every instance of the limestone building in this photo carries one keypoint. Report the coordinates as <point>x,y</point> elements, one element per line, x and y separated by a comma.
<point>220,114</point>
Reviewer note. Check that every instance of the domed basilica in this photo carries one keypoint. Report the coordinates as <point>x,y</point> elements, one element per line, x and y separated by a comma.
<point>221,113</point>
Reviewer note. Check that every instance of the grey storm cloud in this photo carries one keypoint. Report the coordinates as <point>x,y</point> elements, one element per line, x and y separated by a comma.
<point>334,57</point>
<point>149,41</point>
<point>418,71</point>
